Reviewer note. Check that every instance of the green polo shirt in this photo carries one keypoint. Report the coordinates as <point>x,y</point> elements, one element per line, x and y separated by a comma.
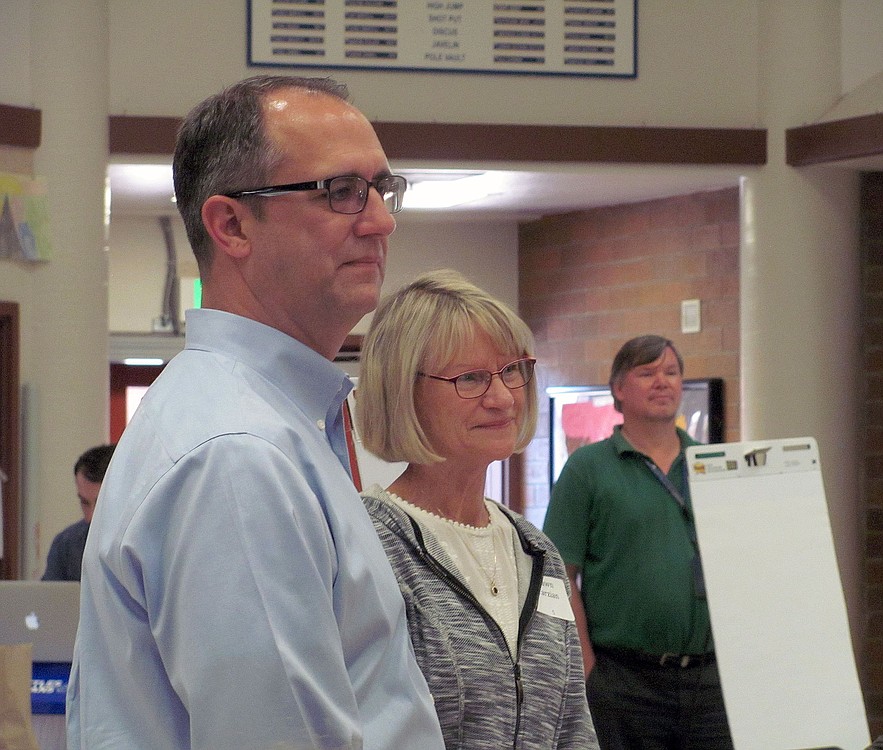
<point>610,516</point>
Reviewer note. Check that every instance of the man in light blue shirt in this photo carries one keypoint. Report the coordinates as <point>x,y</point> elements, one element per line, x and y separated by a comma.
<point>234,594</point>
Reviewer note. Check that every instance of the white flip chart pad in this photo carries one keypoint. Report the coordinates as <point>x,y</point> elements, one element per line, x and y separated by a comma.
<point>774,593</point>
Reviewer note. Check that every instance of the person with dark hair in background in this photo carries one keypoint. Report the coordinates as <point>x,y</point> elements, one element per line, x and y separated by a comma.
<point>234,592</point>
<point>446,384</point>
<point>66,552</point>
<point>621,517</point>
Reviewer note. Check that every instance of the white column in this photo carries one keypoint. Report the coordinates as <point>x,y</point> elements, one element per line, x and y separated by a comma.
<point>800,275</point>
<point>64,325</point>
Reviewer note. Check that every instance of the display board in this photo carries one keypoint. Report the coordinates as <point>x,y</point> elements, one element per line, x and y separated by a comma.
<point>583,414</point>
<point>552,37</point>
<point>777,607</point>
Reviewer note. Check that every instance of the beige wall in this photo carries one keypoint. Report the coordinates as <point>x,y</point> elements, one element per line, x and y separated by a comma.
<point>685,48</point>
<point>137,263</point>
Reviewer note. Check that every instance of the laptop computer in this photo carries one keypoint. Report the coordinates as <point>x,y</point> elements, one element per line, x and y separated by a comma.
<point>44,614</point>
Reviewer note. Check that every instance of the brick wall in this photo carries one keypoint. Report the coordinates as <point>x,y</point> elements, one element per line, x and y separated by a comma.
<point>590,280</point>
<point>871,248</point>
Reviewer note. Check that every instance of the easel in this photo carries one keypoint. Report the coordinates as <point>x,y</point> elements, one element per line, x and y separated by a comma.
<point>777,608</point>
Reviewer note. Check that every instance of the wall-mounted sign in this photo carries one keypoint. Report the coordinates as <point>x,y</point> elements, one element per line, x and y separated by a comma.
<point>547,37</point>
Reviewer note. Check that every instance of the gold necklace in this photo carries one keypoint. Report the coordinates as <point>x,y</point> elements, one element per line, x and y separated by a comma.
<point>492,578</point>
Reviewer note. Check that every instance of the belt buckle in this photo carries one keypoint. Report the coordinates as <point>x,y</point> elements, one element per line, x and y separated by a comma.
<point>667,658</point>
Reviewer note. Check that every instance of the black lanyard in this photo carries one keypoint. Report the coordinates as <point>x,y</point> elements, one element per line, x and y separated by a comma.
<point>698,577</point>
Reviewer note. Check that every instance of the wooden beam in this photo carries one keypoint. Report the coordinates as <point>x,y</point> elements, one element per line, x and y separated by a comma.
<point>851,138</point>
<point>20,126</point>
<point>133,134</point>
<point>531,143</point>
<point>837,140</point>
<point>562,143</point>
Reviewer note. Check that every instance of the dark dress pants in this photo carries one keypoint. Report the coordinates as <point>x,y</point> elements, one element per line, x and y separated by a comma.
<point>642,706</point>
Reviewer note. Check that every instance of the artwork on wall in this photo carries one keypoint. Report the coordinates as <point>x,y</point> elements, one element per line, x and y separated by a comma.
<point>24,218</point>
<point>583,414</point>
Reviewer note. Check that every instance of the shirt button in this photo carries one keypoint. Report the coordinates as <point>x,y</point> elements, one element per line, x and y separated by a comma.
<point>320,423</point>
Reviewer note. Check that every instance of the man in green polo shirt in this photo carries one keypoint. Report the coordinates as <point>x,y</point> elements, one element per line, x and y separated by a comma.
<point>620,515</point>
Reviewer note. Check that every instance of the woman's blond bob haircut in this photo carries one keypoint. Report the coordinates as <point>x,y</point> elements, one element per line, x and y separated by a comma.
<point>421,328</point>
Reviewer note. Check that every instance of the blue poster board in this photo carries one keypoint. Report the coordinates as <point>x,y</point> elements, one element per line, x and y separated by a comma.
<point>49,687</point>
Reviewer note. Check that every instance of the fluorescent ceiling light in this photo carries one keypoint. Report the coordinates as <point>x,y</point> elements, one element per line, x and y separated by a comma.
<point>143,361</point>
<point>139,183</point>
<point>445,193</point>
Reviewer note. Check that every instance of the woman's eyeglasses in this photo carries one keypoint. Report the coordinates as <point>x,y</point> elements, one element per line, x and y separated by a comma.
<point>475,383</point>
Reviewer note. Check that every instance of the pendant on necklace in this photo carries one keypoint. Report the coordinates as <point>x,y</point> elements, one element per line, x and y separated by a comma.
<point>494,589</point>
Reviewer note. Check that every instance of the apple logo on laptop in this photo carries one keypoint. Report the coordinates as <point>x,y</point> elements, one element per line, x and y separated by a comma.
<point>32,622</point>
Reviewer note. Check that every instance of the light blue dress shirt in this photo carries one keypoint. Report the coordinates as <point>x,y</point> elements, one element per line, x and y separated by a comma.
<point>234,593</point>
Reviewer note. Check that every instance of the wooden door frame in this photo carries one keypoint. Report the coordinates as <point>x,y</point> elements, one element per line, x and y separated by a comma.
<point>10,439</point>
<point>121,377</point>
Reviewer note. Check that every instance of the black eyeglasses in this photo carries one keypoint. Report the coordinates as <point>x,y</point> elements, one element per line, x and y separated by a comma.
<point>475,383</point>
<point>346,195</point>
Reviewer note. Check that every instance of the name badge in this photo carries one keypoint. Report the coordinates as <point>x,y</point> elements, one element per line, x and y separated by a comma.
<point>554,600</point>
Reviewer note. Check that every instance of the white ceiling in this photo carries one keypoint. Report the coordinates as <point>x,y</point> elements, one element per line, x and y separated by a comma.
<point>521,193</point>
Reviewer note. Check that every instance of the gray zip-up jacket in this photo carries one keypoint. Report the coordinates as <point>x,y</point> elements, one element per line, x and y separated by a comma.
<point>486,698</point>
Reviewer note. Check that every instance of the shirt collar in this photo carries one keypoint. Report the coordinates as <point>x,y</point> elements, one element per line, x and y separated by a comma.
<point>317,385</point>
<point>621,445</point>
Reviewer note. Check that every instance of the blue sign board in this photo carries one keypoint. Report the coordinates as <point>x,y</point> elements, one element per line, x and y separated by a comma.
<point>49,687</point>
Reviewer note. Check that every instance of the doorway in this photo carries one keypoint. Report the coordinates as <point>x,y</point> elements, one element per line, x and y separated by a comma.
<point>127,384</point>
